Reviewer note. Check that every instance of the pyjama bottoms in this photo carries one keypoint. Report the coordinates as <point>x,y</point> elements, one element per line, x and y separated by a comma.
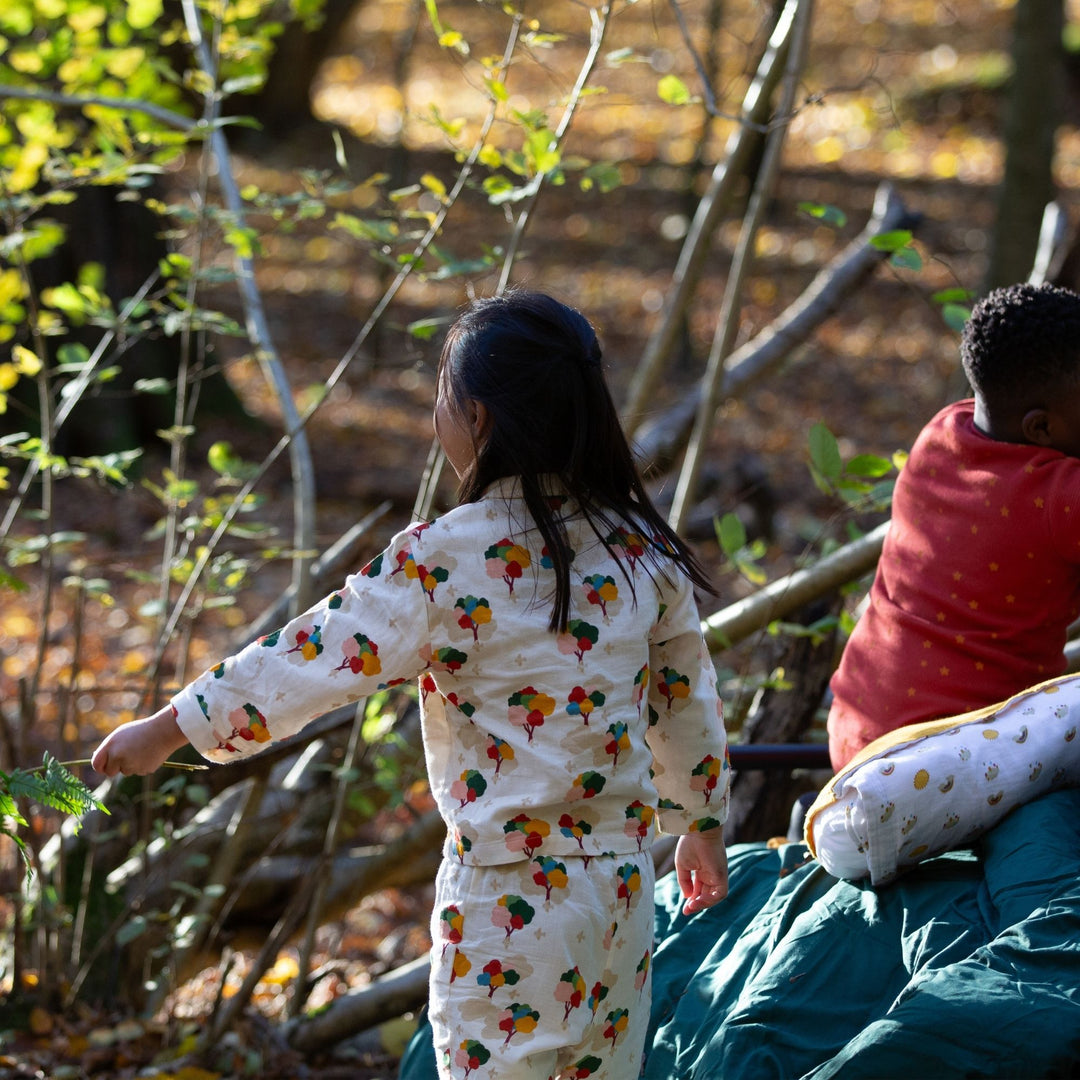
<point>541,968</point>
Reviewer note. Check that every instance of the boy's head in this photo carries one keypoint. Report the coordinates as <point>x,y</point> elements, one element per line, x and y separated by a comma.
<point>1021,355</point>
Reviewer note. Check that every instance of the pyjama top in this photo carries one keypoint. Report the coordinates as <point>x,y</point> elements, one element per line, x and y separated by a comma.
<point>977,584</point>
<point>536,742</point>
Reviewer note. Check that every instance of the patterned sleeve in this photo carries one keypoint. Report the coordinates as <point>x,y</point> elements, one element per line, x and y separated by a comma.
<point>370,634</point>
<point>686,721</point>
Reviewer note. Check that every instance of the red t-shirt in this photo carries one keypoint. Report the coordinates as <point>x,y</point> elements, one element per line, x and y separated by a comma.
<point>978,582</point>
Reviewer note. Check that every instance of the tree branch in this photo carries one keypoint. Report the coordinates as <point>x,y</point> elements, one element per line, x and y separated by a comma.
<point>728,323</point>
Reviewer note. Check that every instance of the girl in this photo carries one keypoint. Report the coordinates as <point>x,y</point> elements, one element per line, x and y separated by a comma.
<point>568,702</point>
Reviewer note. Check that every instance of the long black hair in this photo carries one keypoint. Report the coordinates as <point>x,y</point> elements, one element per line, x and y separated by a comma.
<point>535,366</point>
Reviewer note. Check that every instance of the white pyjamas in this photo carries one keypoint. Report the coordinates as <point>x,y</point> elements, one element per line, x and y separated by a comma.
<point>551,756</point>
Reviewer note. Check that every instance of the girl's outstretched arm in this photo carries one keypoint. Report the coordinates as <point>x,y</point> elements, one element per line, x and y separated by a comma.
<point>701,869</point>
<point>140,746</point>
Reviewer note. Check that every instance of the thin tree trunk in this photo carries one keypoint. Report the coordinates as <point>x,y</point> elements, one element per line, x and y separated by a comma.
<point>1032,113</point>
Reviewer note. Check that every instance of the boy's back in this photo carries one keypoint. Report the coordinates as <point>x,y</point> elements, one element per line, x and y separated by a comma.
<point>977,584</point>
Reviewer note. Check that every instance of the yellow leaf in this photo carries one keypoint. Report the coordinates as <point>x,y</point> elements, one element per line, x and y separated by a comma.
<point>26,362</point>
<point>87,18</point>
<point>285,969</point>
<point>123,63</point>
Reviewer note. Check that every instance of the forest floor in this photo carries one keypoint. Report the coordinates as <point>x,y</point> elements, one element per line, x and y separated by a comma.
<point>874,373</point>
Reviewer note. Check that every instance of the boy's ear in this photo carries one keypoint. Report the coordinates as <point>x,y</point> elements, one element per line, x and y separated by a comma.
<point>1035,427</point>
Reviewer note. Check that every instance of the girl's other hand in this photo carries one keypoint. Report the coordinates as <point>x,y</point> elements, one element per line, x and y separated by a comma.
<point>141,746</point>
<point>701,869</point>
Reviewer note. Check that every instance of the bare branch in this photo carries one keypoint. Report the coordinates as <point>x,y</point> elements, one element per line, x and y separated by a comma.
<point>80,101</point>
<point>713,203</point>
<point>728,323</point>
<point>738,621</point>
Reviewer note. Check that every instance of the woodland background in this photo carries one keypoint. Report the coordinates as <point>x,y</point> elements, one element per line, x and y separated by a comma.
<point>217,350</point>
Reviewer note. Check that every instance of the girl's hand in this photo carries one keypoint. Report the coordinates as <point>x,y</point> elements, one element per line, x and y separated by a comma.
<point>701,869</point>
<point>141,746</point>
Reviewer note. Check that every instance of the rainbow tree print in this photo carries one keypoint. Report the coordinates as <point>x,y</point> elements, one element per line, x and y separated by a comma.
<point>627,545</point>
<point>705,824</point>
<point>361,655</point>
<point>639,819</point>
<point>249,723</point>
<point>619,741</point>
<point>223,740</point>
<point>570,992</point>
<point>452,925</point>
<point>446,658</point>
<point>584,1068</point>
<point>546,560</point>
<point>706,775</point>
<point>462,847</point>
<point>549,874</point>
<point>466,708</point>
<point>471,1055</point>
<point>617,1020</point>
<point>597,995</point>
<point>578,638</point>
<point>642,973</point>
<point>429,578</point>
<point>582,702</point>
<point>524,833</point>
<point>460,966</point>
<point>508,561</point>
<point>518,1018</point>
<point>495,976</point>
<point>512,912</point>
<point>641,684</point>
<point>499,750</point>
<point>475,612</point>
<point>629,883</point>
<point>577,829</point>
<point>468,787</point>
<point>529,708</point>
<point>601,590</point>
<point>672,685</point>
<point>586,785</point>
<point>373,568</point>
<point>308,642</point>
<point>268,641</point>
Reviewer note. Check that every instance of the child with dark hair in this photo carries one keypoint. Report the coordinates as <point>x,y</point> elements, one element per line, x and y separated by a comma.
<point>569,702</point>
<point>979,577</point>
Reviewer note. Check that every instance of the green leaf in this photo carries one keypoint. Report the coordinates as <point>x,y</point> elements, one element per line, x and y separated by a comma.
<point>830,215</point>
<point>158,387</point>
<point>906,259</point>
<point>732,535</point>
<point>824,452</point>
<point>894,240</point>
<point>956,316</point>
<point>605,175</point>
<point>951,296</point>
<point>425,329</point>
<point>868,465</point>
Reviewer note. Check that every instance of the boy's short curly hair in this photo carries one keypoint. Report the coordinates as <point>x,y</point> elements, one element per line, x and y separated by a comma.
<point>1022,340</point>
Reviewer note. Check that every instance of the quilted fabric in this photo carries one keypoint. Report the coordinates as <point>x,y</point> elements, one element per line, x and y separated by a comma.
<point>928,788</point>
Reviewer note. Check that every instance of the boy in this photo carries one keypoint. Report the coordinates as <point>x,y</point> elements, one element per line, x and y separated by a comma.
<point>979,577</point>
